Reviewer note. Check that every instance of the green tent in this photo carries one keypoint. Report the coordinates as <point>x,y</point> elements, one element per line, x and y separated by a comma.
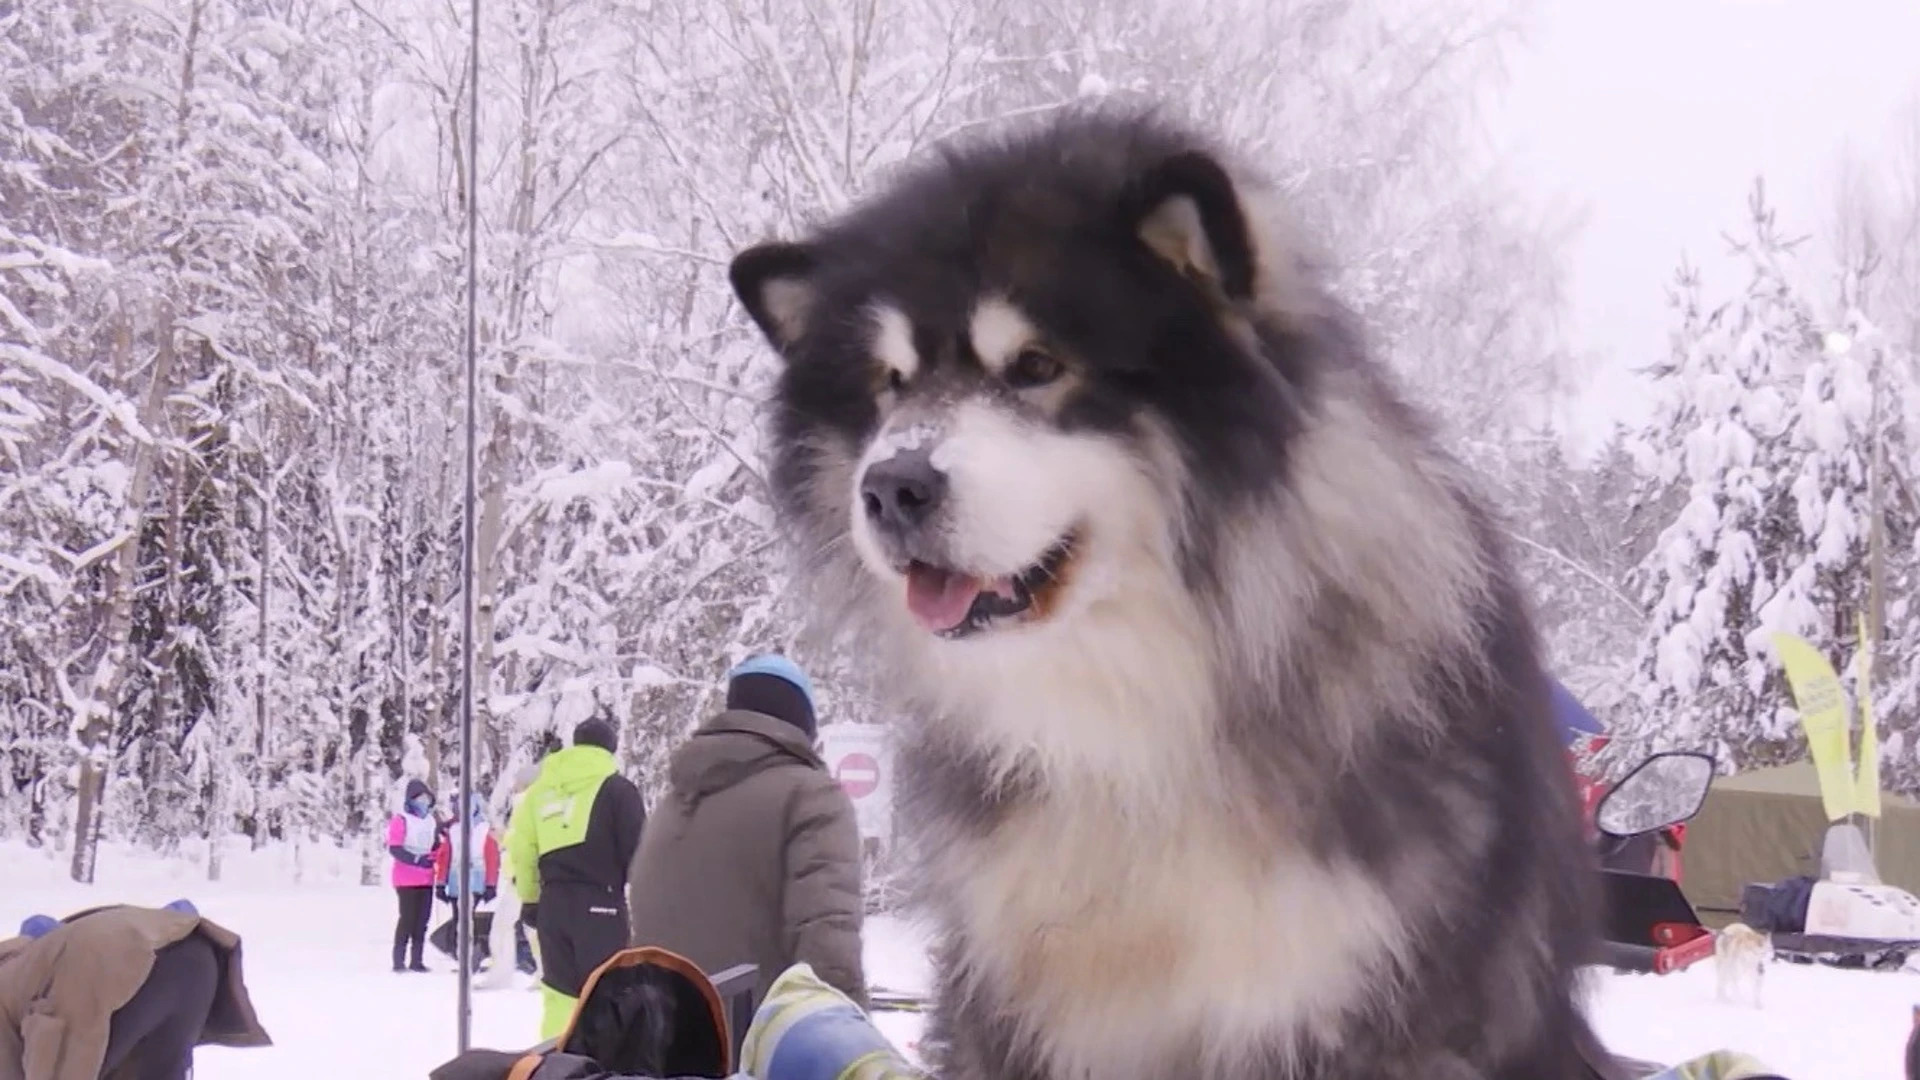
<point>1768,824</point>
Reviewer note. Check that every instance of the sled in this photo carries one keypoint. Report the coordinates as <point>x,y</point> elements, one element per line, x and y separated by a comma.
<point>1865,954</point>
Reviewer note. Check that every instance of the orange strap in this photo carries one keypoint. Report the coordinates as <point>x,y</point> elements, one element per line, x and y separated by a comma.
<point>523,1069</point>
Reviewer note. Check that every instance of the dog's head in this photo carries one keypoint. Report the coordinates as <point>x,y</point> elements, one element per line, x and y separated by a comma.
<point>1006,374</point>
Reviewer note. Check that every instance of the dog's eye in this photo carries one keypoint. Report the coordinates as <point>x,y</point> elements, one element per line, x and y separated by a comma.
<point>896,381</point>
<point>1033,368</point>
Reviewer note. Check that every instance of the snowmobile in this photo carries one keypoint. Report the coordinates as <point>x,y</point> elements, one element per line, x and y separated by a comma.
<point>1847,917</point>
<point>1650,926</point>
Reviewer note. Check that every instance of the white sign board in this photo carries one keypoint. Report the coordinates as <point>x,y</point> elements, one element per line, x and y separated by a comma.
<point>860,756</point>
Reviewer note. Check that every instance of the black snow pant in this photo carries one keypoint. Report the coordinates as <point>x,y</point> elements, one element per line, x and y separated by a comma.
<point>446,936</point>
<point>580,927</point>
<point>154,1033</point>
<point>410,933</point>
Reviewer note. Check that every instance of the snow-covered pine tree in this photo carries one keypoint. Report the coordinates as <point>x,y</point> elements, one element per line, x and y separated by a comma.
<point>1720,434</point>
<point>1764,437</point>
<point>244,220</point>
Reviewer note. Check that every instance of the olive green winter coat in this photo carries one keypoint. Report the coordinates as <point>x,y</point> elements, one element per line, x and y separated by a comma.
<point>752,856</point>
<point>58,993</point>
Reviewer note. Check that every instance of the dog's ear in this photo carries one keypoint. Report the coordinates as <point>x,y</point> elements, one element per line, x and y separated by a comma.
<point>1186,210</point>
<point>774,281</point>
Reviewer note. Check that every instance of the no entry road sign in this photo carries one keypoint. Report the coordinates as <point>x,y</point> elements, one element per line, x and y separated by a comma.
<point>858,773</point>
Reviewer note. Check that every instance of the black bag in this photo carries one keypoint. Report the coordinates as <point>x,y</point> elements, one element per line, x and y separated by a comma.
<point>446,937</point>
<point>1777,909</point>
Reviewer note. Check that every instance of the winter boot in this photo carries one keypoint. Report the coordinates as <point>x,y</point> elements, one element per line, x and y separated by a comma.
<point>400,958</point>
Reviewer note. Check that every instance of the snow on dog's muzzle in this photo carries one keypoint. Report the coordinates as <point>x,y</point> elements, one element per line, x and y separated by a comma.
<point>919,525</point>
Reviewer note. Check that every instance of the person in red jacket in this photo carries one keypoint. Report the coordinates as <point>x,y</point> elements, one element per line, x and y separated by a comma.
<point>482,883</point>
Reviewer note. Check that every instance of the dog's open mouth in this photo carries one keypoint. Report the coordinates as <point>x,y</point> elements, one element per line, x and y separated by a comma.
<point>953,604</point>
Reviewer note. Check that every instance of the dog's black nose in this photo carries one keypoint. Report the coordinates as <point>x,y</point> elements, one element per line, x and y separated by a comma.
<point>903,491</point>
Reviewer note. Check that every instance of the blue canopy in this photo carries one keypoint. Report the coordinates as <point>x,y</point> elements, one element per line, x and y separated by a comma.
<point>1574,718</point>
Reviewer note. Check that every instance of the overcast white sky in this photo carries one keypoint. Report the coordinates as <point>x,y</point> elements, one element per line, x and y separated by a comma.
<point>1653,116</point>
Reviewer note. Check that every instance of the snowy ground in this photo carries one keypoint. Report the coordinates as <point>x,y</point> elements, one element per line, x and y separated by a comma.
<point>317,959</point>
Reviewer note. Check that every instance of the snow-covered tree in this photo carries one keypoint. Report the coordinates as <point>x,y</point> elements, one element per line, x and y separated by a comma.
<point>232,271</point>
<point>1765,429</point>
<point>1577,534</point>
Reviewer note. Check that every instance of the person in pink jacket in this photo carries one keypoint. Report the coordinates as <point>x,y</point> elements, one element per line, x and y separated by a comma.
<point>413,836</point>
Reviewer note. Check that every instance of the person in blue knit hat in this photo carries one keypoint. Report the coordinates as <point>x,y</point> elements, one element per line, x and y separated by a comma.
<point>772,685</point>
<point>753,854</point>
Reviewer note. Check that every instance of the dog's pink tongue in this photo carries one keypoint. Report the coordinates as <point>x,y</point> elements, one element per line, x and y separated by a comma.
<point>940,599</point>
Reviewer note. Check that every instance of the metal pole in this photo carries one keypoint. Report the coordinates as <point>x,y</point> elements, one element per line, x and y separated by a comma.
<point>463,902</point>
<point>1876,563</point>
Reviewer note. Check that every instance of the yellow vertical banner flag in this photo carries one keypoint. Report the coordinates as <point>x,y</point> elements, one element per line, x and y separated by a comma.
<point>1823,713</point>
<point>1866,785</point>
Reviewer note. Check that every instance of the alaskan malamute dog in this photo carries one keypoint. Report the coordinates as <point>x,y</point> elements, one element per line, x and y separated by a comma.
<point>1226,748</point>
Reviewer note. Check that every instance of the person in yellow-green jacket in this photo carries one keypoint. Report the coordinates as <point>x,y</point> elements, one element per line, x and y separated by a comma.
<point>570,843</point>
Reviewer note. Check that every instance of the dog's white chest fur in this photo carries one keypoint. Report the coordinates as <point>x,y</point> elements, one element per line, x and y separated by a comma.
<point>1151,948</point>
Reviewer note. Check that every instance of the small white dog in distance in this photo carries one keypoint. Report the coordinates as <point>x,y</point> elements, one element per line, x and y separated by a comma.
<point>1740,958</point>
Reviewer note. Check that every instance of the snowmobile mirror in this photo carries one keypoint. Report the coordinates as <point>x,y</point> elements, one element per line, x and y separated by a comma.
<point>1663,790</point>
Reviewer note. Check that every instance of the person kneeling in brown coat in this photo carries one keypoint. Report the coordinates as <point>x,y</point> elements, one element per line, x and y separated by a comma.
<point>120,993</point>
<point>753,855</point>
